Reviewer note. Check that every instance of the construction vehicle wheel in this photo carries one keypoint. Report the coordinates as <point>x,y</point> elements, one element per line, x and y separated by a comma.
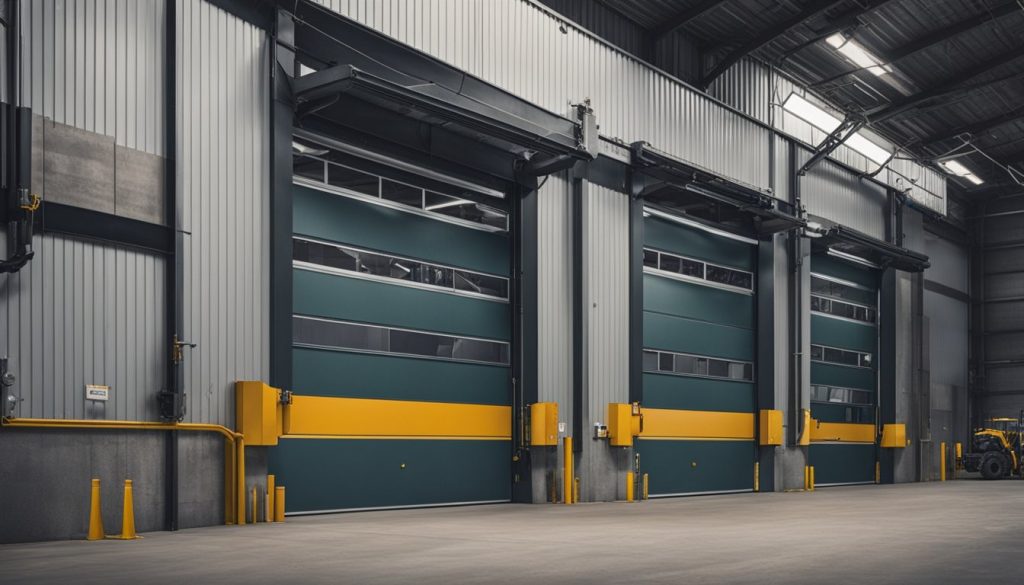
<point>994,466</point>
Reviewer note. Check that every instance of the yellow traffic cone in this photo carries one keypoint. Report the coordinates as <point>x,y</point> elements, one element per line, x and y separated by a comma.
<point>95,517</point>
<point>128,514</point>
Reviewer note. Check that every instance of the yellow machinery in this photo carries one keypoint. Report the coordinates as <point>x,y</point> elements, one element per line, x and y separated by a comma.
<point>996,448</point>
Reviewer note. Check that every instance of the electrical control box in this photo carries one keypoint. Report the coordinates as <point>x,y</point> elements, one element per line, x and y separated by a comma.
<point>769,426</point>
<point>624,423</point>
<point>256,413</point>
<point>544,424</point>
<point>894,436</point>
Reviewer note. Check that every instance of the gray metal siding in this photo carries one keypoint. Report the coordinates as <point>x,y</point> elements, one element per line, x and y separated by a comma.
<point>833,193</point>
<point>82,313</point>
<point>223,191</point>
<point>632,100</point>
<point>948,262</point>
<point>606,292</point>
<point>554,295</point>
<point>97,65</point>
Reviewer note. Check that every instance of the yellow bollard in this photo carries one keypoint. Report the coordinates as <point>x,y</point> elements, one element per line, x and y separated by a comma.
<point>942,461</point>
<point>757,476</point>
<point>630,480</point>
<point>878,472</point>
<point>95,516</point>
<point>279,503</point>
<point>807,478</point>
<point>268,499</point>
<point>812,478</point>
<point>253,505</point>
<point>240,481</point>
<point>567,471</point>
<point>128,514</point>
<point>646,493</point>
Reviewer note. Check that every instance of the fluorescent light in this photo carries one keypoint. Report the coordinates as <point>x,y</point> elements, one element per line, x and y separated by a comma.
<point>858,55</point>
<point>811,113</point>
<point>826,122</point>
<point>955,167</point>
<point>869,149</point>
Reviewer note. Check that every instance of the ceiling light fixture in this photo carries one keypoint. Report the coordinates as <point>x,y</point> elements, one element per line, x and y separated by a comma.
<point>826,122</point>
<point>858,55</point>
<point>956,168</point>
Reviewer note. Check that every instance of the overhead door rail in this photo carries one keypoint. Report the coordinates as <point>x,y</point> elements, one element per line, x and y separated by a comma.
<point>351,60</point>
<point>771,215</point>
<point>852,245</point>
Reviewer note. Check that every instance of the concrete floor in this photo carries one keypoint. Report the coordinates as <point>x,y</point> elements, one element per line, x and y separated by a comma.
<point>958,532</point>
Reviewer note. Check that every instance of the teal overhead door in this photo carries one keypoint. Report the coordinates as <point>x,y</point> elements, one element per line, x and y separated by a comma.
<point>401,293</point>
<point>844,346</point>
<point>698,337</point>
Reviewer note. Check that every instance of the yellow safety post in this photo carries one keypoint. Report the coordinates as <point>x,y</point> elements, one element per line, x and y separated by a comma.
<point>567,471</point>
<point>279,503</point>
<point>268,514</point>
<point>807,478</point>
<point>757,476</point>
<point>878,472</point>
<point>95,517</point>
<point>942,461</point>
<point>630,481</point>
<point>812,478</point>
<point>646,493</point>
<point>128,514</point>
<point>229,482</point>
<point>240,481</point>
<point>253,505</point>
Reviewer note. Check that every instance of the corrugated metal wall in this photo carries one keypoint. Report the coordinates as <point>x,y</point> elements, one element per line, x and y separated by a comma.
<point>606,23</point>
<point>554,295</point>
<point>830,191</point>
<point>632,100</point>
<point>223,189</point>
<point>606,292</point>
<point>82,313</point>
<point>97,65</point>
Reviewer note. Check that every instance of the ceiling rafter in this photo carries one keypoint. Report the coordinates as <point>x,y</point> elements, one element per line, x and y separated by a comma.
<point>684,17</point>
<point>811,11</point>
<point>976,128</point>
<point>950,88</point>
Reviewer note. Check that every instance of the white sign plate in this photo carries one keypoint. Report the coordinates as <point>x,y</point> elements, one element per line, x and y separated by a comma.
<point>96,392</point>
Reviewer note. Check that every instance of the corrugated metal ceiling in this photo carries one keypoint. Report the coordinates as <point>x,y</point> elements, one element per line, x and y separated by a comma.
<point>930,43</point>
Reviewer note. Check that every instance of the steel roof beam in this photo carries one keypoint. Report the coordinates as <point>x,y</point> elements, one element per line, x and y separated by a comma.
<point>976,128</point>
<point>952,87</point>
<point>684,17</point>
<point>809,12</point>
<point>942,35</point>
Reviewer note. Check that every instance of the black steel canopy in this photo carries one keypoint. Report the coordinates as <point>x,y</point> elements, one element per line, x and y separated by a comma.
<point>856,246</point>
<point>351,61</point>
<point>769,214</point>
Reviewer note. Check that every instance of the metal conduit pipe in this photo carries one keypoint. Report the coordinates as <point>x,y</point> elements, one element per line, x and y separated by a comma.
<point>234,473</point>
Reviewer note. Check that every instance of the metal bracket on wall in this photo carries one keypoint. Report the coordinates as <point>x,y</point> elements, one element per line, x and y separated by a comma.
<point>831,142</point>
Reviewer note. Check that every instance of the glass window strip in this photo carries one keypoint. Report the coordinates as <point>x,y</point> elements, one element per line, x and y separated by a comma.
<point>691,268</point>
<point>827,394</point>
<point>336,335</point>
<point>431,204</point>
<point>841,357</point>
<point>397,268</point>
<point>682,364</point>
<point>843,309</point>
